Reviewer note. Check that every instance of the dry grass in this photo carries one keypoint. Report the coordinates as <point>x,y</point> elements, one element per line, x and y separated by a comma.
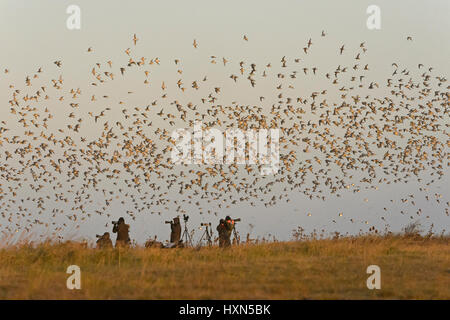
<point>411,268</point>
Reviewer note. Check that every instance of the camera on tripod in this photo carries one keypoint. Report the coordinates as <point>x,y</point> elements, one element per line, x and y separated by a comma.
<point>115,222</point>
<point>98,236</point>
<point>207,234</point>
<point>186,238</point>
<point>235,233</point>
<point>168,222</point>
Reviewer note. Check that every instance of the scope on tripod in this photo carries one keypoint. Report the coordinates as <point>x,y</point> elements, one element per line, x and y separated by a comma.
<point>235,233</point>
<point>207,234</point>
<point>186,237</point>
<point>168,222</point>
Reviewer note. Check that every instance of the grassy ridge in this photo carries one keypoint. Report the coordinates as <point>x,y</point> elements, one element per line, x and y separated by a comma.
<point>411,268</point>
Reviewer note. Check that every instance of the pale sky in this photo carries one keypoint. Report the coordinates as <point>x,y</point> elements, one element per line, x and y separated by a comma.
<point>34,34</point>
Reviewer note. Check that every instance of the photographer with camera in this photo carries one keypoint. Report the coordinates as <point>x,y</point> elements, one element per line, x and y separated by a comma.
<point>225,229</point>
<point>122,230</point>
<point>236,239</point>
<point>222,236</point>
<point>104,241</point>
<point>175,233</point>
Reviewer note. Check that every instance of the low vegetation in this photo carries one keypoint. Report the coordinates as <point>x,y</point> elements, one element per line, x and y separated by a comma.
<point>412,267</point>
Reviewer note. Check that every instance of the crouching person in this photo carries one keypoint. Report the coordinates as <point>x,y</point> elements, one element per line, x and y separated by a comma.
<point>104,241</point>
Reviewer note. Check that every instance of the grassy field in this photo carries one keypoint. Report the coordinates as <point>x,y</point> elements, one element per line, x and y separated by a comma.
<point>411,268</point>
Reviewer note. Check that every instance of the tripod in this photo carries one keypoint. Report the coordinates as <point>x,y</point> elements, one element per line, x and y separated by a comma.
<point>208,235</point>
<point>236,235</point>
<point>186,237</point>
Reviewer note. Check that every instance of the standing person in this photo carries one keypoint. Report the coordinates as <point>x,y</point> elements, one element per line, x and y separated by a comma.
<point>122,230</point>
<point>225,229</point>
<point>175,234</point>
<point>221,230</point>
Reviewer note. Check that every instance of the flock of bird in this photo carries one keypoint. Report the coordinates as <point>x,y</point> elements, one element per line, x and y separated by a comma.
<point>355,134</point>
